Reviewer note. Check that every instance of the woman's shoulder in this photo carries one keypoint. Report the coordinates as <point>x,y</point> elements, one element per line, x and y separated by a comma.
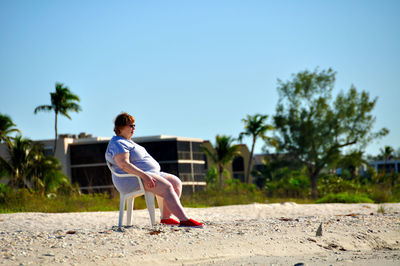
<point>121,141</point>
<point>118,145</point>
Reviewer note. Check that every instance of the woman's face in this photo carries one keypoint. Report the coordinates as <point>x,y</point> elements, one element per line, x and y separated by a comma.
<point>127,131</point>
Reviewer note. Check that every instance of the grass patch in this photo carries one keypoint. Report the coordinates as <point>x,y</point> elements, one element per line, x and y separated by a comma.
<point>381,209</point>
<point>233,193</point>
<point>345,197</point>
<point>26,201</point>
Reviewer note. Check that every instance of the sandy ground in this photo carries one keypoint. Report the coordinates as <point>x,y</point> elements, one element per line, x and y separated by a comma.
<point>255,234</point>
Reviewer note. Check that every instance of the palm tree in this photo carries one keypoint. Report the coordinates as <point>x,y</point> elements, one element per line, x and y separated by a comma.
<point>28,167</point>
<point>62,101</point>
<point>386,154</point>
<point>256,127</point>
<point>223,153</point>
<point>19,165</point>
<point>46,175</point>
<point>352,161</point>
<point>6,128</point>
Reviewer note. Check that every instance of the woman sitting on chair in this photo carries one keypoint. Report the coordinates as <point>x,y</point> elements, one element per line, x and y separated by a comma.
<point>127,156</point>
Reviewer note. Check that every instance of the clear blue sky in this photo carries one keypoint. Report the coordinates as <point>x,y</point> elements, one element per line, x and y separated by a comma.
<point>190,68</point>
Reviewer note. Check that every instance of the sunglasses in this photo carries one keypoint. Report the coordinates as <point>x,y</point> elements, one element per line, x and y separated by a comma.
<point>132,125</point>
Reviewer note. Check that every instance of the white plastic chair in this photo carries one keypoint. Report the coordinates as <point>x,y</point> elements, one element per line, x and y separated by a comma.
<point>130,198</point>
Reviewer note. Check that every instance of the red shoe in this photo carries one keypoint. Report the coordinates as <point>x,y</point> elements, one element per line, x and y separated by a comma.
<point>169,221</point>
<point>191,223</point>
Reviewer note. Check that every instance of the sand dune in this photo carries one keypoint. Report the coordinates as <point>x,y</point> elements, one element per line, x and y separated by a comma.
<point>257,234</point>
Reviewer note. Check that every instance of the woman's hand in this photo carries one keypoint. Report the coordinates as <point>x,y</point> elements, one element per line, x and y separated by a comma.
<point>122,160</point>
<point>149,181</point>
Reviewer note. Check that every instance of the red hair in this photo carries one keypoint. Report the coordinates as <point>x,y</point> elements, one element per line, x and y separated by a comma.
<point>122,120</point>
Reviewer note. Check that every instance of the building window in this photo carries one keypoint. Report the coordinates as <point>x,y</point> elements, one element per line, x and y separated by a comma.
<point>238,164</point>
<point>161,150</point>
<point>91,176</point>
<point>184,155</point>
<point>198,153</point>
<point>48,152</point>
<point>185,168</point>
<point>238,168</point>
<point>387,168</point>
<point>88,153</point>
<point>183,146</point>
<point>171,168</point>
<point>199,168</point>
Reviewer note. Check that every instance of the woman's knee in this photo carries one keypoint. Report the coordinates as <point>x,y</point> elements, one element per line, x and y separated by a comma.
<point>174,180</point>
<point>177,184</point>
<point>165,189</point>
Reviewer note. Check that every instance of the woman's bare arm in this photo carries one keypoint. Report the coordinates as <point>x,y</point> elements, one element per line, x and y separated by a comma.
<point>122,160</point>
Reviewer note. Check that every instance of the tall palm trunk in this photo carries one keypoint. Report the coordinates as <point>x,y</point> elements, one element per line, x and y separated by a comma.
<point>221,177</point>
<point>55,137</point>
<point>250,161</point>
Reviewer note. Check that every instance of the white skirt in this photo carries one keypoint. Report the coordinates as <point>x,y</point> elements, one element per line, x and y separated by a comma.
<point>129,184</point>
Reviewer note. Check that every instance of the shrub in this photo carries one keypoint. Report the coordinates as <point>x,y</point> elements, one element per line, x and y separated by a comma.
<point>234,192</point>
<point>380,195</point>
<point>288,183</point>
<point>345,197</point>
<point>381,209</point>
<point>24,200</point>
<point>5,192</point>
<point>336,184</point>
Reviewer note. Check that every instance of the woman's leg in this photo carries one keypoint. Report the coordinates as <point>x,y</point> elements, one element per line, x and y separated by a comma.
<point>165,189</point>
<point>177,185</point>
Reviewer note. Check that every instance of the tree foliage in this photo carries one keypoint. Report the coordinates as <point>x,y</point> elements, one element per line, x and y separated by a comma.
<point>386,153</point>
<point>222,153</point>
<point>62,102</point>
<point>351,162</point>
<point>314,127</point>
<point>255,126</point>
<point>19,166</point>
<point>28,167</point>
<point>7,127</point>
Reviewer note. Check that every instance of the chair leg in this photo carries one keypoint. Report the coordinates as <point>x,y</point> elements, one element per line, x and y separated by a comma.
<point>129,208</point>
<point>121,209</point>
<point>149,197</point>
<point>160,202</point>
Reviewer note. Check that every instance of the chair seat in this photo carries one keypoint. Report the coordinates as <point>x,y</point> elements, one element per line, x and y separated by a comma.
<point>129,198</point>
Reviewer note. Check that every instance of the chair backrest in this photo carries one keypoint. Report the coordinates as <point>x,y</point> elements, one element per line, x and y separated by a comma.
<point>127,175</point>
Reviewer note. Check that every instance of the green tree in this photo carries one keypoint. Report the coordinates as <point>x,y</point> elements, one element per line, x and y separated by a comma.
<point>46,175</point>
<point>386,153</point>
<point>256,127</point>
<point>62,102</point>
<point>273,164</point>
<point>211,176</point>
<point>315,128</point>
<point>223,153</point>
<point>351,162</point>
<point>28,167</point>
<point>19,166</point>
<point>7,127</point>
